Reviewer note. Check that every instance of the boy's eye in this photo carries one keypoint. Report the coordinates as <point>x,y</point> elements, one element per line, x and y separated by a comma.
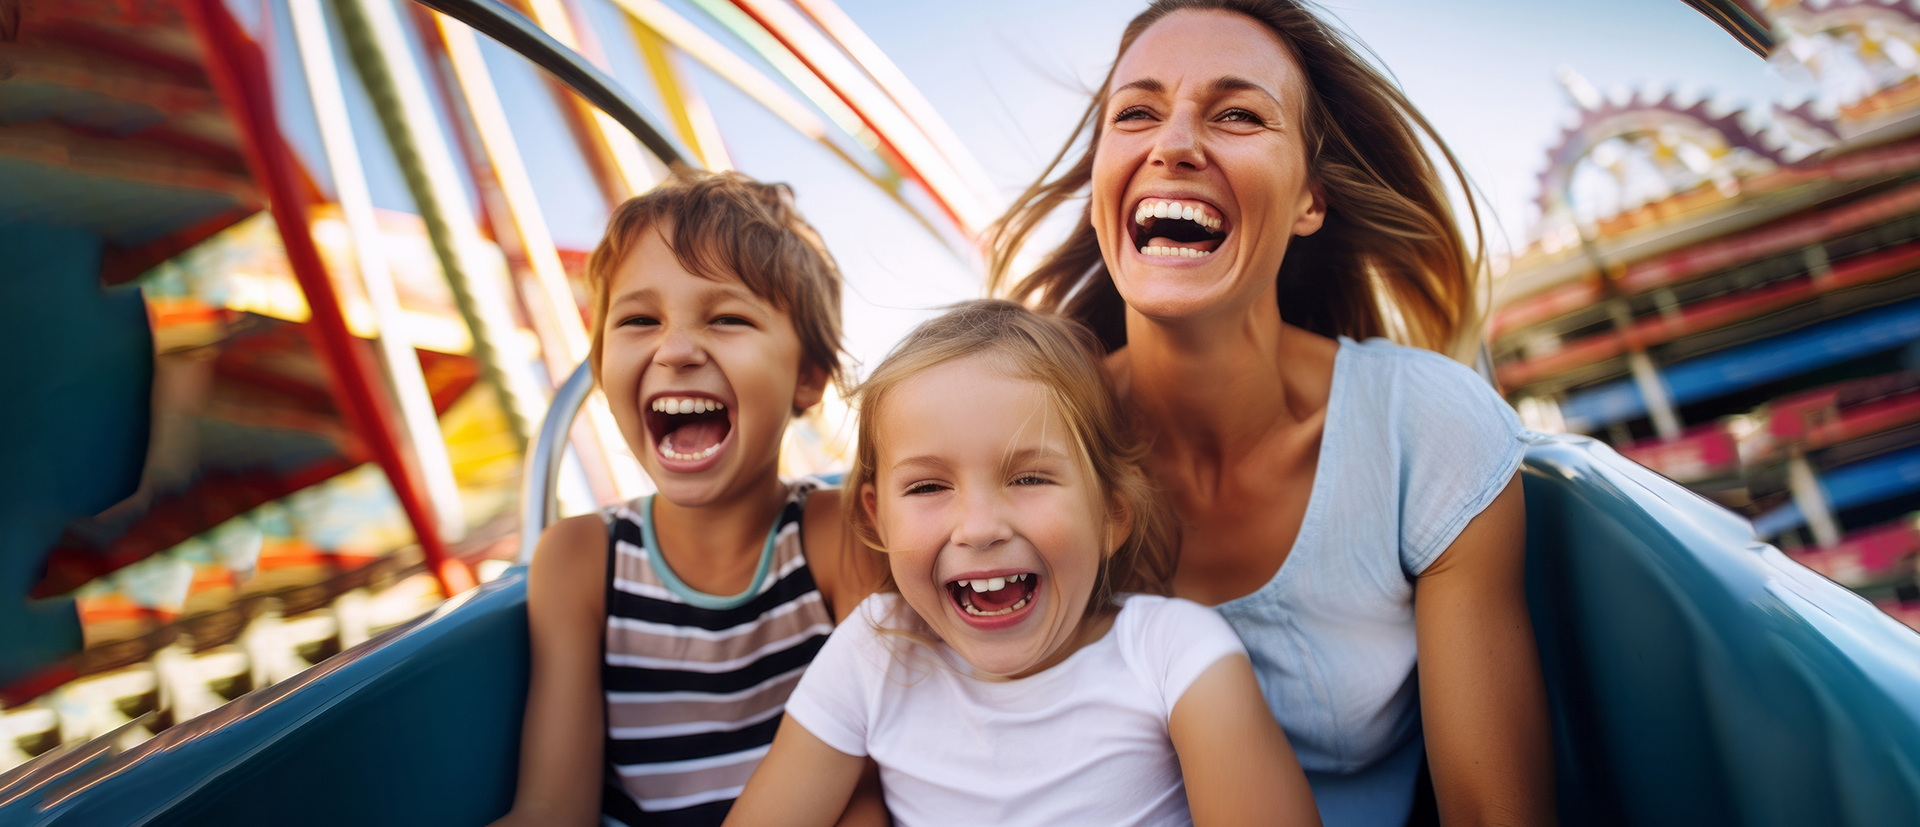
<point>639,321</point>
<point>732,320</point>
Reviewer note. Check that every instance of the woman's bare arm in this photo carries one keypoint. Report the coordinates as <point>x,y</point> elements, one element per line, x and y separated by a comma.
<point>563,731</point>
<point>1482,701</point>
<point>801,783</point>
<point>1238,766</point>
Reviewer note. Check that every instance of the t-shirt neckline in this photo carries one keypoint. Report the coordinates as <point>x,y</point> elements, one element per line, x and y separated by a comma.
<point>1317,496</point>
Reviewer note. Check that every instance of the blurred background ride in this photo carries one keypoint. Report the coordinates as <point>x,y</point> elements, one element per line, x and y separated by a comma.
<point>284,282</point>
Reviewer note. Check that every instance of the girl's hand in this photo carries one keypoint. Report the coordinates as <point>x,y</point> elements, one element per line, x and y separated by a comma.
<point>1238,766</point>
<point>801,783</point>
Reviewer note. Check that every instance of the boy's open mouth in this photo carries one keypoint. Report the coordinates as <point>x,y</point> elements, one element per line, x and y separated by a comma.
<point>1177,228</point>
<point>688,428</point>
<point>990,597</point>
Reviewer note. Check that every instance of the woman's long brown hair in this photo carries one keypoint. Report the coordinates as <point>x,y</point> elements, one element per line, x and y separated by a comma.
<point>1389,259</point>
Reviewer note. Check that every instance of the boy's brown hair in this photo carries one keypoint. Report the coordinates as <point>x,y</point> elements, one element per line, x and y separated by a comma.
<point>1062,355</point>
<point>724,225</point>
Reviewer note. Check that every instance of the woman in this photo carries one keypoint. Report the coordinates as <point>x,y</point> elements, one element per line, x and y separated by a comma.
<point>1260,206</point>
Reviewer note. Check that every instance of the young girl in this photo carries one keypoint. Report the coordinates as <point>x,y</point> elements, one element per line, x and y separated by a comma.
<point>1003,676</point>
<point>668,632</point>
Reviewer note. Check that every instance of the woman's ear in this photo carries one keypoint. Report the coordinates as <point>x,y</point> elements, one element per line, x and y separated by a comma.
<point>1312,209</point>
<point>812,386</point>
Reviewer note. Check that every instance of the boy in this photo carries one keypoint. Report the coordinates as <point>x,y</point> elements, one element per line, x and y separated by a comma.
<point>667,632</point>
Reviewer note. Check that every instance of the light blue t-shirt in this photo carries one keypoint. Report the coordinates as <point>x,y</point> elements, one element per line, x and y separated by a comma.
<point>1415,446</point>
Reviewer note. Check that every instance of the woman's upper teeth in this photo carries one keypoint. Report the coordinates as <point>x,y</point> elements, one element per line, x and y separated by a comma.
<point>686,405</point>
<point>1194,211</point>
<point>991,584</point>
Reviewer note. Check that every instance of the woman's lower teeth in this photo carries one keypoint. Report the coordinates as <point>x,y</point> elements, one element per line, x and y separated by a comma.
<point>1178,252</point>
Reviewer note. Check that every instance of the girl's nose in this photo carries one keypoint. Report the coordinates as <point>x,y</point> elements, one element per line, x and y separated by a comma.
<point>1176,144</point>
<point>982,526</point>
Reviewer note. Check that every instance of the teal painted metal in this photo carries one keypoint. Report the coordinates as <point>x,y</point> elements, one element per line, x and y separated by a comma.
<point>420,725</point>
<point>73,419</point>
<point>1696,675</point>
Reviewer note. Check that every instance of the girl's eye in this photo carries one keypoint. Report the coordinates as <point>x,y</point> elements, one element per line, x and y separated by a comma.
<point>1131,113</point>
<point>639,321</point>
<point>1031,479</point>
<point>924,488</point>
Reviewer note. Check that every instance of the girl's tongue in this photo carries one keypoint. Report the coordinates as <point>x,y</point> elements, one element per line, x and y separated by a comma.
<point>995,596</point>
<point>695,437</point>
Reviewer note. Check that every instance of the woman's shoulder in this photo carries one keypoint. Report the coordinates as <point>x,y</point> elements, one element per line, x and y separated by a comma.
<point>1420,391</point>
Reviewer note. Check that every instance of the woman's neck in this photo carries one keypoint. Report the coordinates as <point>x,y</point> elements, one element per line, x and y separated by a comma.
<point>1217,386</point>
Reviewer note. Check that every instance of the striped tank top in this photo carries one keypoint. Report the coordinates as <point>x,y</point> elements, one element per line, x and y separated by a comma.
<point>696,684</point>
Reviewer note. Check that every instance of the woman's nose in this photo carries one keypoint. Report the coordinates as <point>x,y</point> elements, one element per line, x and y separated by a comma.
<point>1177,145</point>
<point>982,526</point>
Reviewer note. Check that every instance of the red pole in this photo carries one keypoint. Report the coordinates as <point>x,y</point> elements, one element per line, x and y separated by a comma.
<point>238,69</point>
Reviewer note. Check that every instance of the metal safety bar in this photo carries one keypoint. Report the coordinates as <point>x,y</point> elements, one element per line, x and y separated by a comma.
<point>514,31</point>
<point>540,477</point>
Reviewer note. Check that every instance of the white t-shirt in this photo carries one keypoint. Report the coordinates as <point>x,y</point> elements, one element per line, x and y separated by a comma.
<point>1084,742</point>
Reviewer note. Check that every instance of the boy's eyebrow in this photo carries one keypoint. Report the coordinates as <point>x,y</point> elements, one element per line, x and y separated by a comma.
<point>716,291</point>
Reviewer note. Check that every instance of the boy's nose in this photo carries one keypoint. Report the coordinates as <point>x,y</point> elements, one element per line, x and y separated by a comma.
<point>680,349</point>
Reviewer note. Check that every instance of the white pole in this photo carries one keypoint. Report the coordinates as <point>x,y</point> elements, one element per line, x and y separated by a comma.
<point>356,205</point>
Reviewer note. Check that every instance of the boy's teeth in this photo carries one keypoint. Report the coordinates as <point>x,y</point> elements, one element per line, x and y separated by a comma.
<point>672,454</point>
<point>685,405</point>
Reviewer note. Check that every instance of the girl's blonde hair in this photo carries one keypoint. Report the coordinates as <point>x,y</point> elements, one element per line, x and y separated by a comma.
<point>1061,355</point>
<point>1389,260</point>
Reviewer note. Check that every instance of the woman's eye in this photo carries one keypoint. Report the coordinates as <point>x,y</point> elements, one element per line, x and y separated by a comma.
<point>1131,113</point>
<point>1240,115</point>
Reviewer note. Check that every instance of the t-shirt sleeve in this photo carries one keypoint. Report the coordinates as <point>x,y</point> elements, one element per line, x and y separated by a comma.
<point>1169,642</point>
<point>834,699</point>
<point>1459,446</point>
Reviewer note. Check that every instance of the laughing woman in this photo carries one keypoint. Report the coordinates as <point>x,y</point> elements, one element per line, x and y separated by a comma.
<point>1261,215</point>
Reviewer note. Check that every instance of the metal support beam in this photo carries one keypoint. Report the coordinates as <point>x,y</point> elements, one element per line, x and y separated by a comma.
<point>356,206</point>
<point>238,70</point>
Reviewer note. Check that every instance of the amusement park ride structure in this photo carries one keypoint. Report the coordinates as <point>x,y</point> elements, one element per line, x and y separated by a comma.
<point>304,355</point>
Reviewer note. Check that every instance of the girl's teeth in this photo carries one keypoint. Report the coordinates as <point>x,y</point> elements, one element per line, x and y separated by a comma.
<point>1006,611</point>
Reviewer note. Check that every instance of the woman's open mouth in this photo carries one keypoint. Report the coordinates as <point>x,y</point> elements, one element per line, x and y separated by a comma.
<point>688,431</point>
<point>1177,228</point>
<point>993,601</point>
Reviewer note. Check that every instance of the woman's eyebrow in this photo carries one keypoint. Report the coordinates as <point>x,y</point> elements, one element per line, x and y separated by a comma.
<point>1235,83</point>
<point>1144,84</point>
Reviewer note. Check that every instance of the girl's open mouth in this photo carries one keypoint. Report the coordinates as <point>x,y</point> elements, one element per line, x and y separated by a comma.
<point>1173,228</point>
<point>688,431</point>
<point>993,601</point>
